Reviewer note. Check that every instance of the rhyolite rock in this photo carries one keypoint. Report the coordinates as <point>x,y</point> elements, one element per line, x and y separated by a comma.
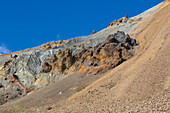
<point>123,20</point>
<point>53,61</point>
<point>46,67</point>
<point>93,32</point>
<point>115,48</point>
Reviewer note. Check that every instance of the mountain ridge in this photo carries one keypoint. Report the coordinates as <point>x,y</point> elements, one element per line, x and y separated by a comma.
<point>128,80</point>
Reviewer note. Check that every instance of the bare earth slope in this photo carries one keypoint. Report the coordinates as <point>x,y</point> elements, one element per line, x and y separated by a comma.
<point>141,84</point>
<point>139,79</point>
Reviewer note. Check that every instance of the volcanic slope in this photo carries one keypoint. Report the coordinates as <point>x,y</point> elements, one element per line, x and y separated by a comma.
<point>142,83</point>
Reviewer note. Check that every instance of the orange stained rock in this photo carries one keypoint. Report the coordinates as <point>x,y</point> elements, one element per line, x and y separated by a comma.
<point>59,66</point>
<point>166,1</point>
<point>93,32</point>
<point>29,89</point>
<point>82,69</point>
<point>73,68</point>
<point>53,66</point>
<point>88,57</point>
<point>25,90</point>
<point>12,79</point>
<point>101,57</point>
<point>126,16</point>
<point>72,71</point>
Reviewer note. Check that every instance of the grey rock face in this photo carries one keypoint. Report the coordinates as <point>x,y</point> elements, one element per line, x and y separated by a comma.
<point>38,67</point>
<point>114,49</point>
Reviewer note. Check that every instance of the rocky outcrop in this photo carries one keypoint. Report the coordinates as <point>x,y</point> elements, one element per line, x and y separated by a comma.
<point>102,57</point>
<point>93,32</point>
<point>46,67</point>
<point>40,67</point>
<point>51,45</point>
<point>123,20</point>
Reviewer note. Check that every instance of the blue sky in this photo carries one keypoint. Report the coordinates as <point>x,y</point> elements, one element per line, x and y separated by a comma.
<point>29,23</point>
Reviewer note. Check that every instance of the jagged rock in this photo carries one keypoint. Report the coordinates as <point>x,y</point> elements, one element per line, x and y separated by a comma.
<point>122,21</point>
<point>114,48</point>
<point>44,79</point>
<point>125,19</point>
<point>13,78</point>
<point>54,58</point>
<point>38,68</point>
<point>47,46</point>
<point>126,16</point>
<point>63,60</point>
<point>125,39</point>
<point>88,62</point>
<point>46,67</point>
<point>133,42</point>
<point>105,51</point>
<point>79,52</point>
<point>13,56</point>
<point>93,32</point>
<point>125,54</point>
<point>120,36</point>
<point>113,22</point>
<point>110,39</point>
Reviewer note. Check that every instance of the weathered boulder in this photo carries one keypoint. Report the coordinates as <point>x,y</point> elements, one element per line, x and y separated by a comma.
<point>46,67</point>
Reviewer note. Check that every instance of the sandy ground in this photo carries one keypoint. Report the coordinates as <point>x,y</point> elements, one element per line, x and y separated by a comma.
<point>55,93</point>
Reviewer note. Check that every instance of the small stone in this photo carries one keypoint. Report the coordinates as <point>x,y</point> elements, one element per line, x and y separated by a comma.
<point>49,108</point>
<point>61,92</point>
<point>1,86</point>
<point>93,32</point>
